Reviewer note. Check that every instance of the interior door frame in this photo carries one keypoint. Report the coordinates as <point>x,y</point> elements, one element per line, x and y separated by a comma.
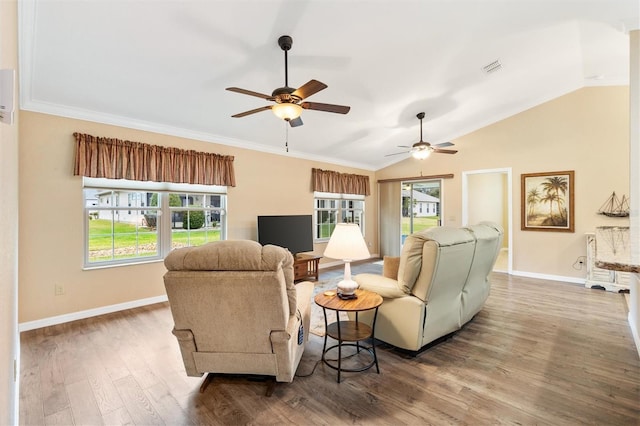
<point>465,205</point>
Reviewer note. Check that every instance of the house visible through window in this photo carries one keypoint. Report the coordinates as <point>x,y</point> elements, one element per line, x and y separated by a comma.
<point>330,209</point>
<point>158,217</point>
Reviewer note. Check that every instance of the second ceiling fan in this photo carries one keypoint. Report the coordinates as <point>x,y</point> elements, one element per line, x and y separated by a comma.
<point>422,149</point>
<point>289,102</point>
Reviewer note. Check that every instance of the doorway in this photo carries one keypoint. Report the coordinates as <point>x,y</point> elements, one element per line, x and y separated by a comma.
<point>421,206</point>
<point>487,195</point>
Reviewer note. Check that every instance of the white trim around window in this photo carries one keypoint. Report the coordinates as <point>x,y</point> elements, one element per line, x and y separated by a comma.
<point>332,208</point>
<point>130,222</point>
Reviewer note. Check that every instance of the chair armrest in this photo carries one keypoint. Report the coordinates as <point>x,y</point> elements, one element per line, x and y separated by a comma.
<point>183,335</point>
<point>187,344</point>
<point>283,336</point>
<point>285,342</point>
<point>304,291</point>
<point>304,294</point>
<point>385,287</point>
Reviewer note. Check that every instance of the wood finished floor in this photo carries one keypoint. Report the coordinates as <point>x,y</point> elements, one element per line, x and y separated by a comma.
<point>540,352</point>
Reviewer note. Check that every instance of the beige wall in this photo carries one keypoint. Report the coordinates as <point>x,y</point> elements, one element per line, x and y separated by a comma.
<point>9,338</point>
<point>586,131</point>
<point>51,218</point>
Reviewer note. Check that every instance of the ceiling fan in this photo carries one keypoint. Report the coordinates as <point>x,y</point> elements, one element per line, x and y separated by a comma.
<point>289,102</point>
<point>422,149</point>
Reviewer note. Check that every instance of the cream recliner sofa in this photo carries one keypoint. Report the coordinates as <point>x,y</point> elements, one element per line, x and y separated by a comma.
<point>236,309</point>
<point>440,282</point>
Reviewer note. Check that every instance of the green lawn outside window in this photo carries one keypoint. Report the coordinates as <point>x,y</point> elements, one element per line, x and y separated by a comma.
<point>130,240</point>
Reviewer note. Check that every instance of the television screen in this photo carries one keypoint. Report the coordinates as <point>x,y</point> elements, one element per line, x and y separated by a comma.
<point>293,232</point>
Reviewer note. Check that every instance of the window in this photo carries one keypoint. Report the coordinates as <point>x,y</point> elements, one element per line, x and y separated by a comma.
<point>330,209</point>
<point>154,219</point>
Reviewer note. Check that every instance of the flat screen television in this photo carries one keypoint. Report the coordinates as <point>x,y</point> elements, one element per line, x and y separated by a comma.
<point>293,232</point>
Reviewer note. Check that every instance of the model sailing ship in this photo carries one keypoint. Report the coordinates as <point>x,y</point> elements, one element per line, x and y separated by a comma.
<point>615,207</point>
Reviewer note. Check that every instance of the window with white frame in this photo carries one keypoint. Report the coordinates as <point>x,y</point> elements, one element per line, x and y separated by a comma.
<point>131,221</point>
<point>330,209</point>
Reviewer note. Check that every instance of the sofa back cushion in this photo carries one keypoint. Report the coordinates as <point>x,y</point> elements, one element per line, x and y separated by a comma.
<point>446,256</point>
<point>410,262</point>
<point>488,237</point>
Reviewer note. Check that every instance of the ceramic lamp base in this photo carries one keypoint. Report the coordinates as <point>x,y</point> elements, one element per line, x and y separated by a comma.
<point>347,287</point>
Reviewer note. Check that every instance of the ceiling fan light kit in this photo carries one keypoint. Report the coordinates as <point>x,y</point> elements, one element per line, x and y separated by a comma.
<point>289,101</point>
<point>421,154</point>
<point>421,150</point>
<point>287,111</point>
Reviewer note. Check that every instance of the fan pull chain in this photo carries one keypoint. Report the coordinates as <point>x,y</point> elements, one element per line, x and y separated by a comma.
<point>286,136</point>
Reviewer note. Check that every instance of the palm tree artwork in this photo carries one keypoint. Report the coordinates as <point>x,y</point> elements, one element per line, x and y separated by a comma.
<point>547,199</point>
<point>533,197</point>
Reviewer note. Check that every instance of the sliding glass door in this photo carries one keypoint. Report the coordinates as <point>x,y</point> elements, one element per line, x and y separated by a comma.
<point>421,206</point>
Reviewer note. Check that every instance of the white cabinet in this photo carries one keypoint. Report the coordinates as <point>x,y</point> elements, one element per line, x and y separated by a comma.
<point>615,281</point>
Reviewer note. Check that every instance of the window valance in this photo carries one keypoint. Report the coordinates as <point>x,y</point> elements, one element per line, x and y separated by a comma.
<point>341,183</point>
<point>117,159</point>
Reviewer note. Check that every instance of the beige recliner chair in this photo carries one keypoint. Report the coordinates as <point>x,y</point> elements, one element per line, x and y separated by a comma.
<point>439,284</point>
<point>236,309</point>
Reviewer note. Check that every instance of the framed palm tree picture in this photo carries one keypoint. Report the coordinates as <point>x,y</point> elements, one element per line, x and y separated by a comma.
<point>547,201</point>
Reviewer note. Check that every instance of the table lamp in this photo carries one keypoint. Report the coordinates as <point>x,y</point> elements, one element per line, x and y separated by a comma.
<point>346,243</point>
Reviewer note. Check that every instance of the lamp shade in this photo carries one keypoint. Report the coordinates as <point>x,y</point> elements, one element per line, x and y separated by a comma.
<point>287,110</point>
<point>347,243</point>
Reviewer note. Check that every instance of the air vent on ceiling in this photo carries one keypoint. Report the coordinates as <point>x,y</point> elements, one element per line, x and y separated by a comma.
<point>492,67</point>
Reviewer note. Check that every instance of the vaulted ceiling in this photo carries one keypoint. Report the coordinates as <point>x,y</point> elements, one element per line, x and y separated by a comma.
<point>164,66</point>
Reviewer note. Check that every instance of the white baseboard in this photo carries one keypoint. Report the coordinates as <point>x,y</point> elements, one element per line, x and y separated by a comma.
<point>60,319</point>
<point>572,280</point>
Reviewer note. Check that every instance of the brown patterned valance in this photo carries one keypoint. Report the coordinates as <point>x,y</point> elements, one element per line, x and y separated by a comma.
<point>339,183</point>
<point>117,159</point>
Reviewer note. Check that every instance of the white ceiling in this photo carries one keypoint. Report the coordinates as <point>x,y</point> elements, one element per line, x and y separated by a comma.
<point>164,66</point>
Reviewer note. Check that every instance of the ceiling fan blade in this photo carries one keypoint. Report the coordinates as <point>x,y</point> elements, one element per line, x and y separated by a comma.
<point>296,122</point>
<point>397,153</point>
<point>309,88</point>
<point>250,93</point>
<point>442,145</point>
<point>253,111</point>
<point>445,151</point>
<point>339,109</point>
<point>404,146</point>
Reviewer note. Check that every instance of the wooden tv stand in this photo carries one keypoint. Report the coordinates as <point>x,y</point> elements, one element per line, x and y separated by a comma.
<point>305,267</point>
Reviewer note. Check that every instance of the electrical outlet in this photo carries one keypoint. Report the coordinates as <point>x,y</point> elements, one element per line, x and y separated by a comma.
<point>59,288</point>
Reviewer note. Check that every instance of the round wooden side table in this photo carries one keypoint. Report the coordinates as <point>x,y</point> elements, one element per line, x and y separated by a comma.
<point>350,333</point>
